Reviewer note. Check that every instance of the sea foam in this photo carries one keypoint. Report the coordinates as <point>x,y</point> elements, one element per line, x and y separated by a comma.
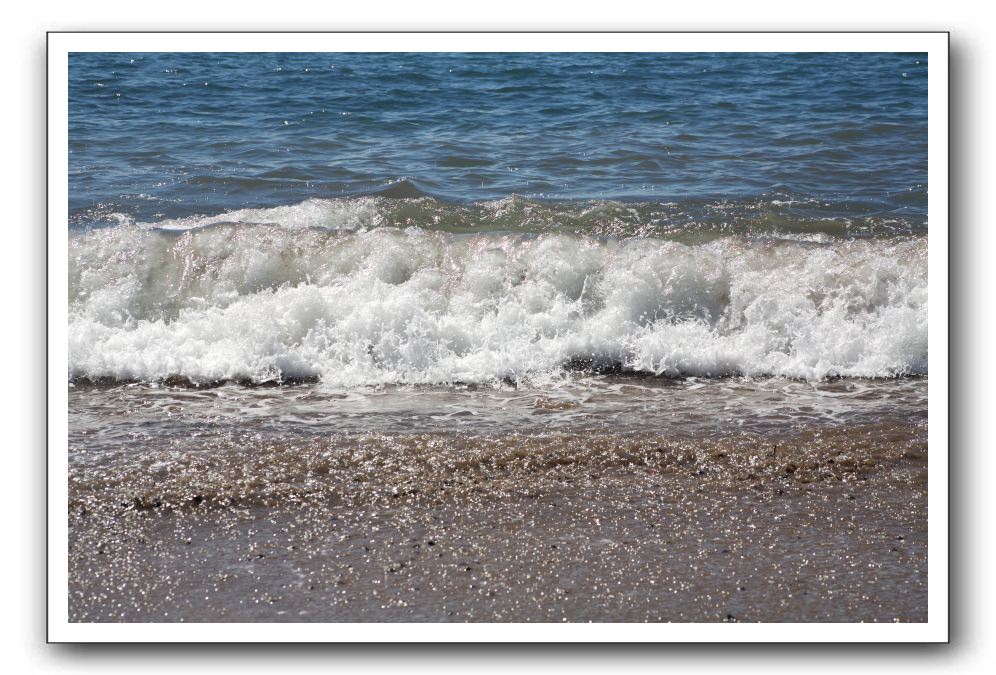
<point>262,302</point>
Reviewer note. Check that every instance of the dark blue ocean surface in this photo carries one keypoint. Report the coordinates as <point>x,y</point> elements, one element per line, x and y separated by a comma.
<point>796,136</point>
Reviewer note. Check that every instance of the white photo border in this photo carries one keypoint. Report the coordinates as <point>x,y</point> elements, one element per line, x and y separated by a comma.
<point>935,44</point>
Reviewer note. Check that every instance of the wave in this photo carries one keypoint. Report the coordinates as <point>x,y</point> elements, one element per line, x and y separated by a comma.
<point>404,203</point>
<point>329,290</point>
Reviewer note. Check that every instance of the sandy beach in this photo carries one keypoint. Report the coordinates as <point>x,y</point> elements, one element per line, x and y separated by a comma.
<point>828,525</point>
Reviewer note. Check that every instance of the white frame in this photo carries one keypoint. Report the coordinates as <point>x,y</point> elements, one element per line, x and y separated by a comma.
<point>935,44</point>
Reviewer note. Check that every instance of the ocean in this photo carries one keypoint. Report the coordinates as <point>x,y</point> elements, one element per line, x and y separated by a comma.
<point>626,336</point>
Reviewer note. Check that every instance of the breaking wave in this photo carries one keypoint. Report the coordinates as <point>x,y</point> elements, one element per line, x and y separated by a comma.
<point>327,290</point>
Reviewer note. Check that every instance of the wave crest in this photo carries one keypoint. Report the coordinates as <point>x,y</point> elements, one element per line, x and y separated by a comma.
<point>388,305</point>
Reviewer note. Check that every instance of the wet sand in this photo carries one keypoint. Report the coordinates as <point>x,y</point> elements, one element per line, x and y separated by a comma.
<point>809,525</point>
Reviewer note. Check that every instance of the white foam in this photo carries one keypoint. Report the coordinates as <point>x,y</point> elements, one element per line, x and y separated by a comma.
<point>386,305</point>
<point>336,214</point>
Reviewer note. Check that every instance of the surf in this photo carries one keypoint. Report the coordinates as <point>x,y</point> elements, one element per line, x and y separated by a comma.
<point>263,302</point>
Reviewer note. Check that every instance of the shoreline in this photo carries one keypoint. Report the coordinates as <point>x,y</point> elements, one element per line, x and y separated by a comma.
<point>820,525</point>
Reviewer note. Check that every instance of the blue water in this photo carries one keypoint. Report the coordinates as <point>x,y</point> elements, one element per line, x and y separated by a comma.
<point>807,137</point>
<point>430,219</point>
